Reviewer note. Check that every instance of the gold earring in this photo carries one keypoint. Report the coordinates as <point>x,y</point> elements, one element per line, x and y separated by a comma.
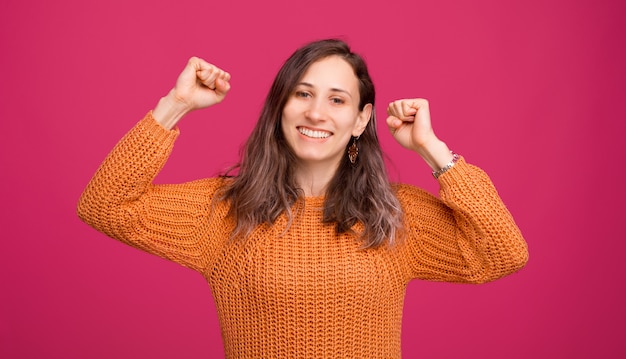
<point>353,151</point>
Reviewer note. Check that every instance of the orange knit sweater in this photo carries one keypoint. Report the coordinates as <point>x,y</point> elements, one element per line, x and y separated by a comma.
<point>306,292</point>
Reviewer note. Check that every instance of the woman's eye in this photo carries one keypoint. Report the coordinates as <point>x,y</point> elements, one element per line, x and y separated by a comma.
<point>302,94</point>
<point>337,101</point>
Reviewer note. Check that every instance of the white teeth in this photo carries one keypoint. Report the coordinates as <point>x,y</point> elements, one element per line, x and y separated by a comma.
<point>313,134</point>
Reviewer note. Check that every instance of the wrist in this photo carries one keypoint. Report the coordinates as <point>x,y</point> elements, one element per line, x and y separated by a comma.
<point>436,154</point>
<point>444,169</point>
<point>169,110</point>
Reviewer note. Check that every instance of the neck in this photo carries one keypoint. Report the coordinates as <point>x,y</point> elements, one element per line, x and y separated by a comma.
<point>314,178</point>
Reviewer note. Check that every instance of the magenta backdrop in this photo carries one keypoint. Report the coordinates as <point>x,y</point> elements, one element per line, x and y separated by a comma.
<point>532,91</point>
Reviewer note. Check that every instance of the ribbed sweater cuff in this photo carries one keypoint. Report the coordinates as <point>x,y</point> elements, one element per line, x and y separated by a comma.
<point>464,179</point>
<point>154,129</point>
<point>460,173</point>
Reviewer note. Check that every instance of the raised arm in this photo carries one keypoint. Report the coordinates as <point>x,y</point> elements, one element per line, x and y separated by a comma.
<point>121,200</point>
<point>466,236</point>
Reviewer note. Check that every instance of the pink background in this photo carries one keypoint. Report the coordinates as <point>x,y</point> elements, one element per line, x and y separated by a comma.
<point>532,91</point>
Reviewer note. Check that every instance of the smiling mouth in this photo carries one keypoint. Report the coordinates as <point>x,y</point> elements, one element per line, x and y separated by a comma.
<point>313,134</point>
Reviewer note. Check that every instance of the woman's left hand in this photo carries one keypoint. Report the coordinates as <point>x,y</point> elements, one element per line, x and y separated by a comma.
<point>409,123</point>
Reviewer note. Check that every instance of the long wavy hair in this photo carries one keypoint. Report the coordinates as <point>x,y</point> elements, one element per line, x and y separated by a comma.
<point>265,185</point>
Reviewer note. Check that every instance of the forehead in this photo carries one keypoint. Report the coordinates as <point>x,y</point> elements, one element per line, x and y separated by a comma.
<point>331,72</point>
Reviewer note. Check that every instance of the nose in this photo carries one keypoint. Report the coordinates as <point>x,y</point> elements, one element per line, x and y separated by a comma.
<point>316,111</point>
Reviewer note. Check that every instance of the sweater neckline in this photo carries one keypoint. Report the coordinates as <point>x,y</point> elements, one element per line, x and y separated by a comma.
<point>314,201</point>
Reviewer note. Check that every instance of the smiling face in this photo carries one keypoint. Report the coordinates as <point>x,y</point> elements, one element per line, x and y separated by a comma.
<point>322,113</point>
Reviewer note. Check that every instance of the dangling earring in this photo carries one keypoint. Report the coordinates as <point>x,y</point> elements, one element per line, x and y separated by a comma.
<point>353,151</point>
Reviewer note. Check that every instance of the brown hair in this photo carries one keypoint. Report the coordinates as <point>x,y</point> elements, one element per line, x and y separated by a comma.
<point>265,185</point>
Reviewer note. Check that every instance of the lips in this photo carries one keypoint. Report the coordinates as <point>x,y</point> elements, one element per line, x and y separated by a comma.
<point>313,133</point>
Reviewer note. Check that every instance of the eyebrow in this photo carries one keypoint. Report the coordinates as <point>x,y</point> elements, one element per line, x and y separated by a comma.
<point>334,89</point>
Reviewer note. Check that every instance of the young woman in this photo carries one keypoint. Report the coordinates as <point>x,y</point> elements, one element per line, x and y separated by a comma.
<point>308,248</point>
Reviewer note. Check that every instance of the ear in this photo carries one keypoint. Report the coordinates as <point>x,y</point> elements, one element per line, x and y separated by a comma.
<point>362,120</point>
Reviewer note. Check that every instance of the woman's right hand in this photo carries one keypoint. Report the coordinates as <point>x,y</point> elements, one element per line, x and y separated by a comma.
<point>198,86</point>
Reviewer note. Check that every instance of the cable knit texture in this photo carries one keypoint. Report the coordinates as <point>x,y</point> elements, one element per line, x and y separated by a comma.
<point>302,291</point>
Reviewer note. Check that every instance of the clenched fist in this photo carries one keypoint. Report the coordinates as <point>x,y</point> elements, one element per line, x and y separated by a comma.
<point>199,85</point>
<point>409,123</point>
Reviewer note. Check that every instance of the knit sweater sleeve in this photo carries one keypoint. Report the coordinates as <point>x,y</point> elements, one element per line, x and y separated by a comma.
<point>166,220</point>
<point>467,235</point>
